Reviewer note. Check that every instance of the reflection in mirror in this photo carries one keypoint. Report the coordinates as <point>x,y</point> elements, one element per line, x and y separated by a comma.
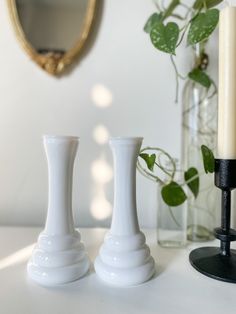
<point>52,25</point>
<point>55,30</point>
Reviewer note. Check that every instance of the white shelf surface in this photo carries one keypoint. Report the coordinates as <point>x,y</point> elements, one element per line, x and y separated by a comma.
<point>176,288</point>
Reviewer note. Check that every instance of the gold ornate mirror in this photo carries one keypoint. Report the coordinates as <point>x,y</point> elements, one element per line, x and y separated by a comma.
<point>52,31</point>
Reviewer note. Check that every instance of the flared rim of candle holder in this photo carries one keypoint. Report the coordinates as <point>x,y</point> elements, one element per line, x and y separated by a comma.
<point>60,137</point>
<point>126,139</point>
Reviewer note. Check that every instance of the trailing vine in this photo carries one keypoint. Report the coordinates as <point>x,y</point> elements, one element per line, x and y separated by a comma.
<point>169,28</point>
<point>155,168</point>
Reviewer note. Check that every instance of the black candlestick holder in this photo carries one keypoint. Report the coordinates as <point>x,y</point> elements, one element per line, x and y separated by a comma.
<point>220,263</point>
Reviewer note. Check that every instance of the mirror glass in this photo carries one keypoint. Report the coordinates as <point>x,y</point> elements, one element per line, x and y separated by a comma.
<point>52,25</point>
<point>52,31</point>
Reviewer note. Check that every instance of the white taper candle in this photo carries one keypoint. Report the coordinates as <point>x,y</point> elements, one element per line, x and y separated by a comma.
<point>227,84</point>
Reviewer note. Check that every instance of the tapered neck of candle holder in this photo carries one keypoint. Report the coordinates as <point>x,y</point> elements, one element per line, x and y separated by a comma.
<point>125,153</point>
<point>60,154</point>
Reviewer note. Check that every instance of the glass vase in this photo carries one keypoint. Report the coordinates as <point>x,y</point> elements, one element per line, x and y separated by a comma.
<point>199,128</point>
<point>171,223</point>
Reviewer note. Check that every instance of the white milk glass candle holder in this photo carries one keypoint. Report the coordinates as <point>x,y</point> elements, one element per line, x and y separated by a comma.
<point>124,258</point>
<point>59,256</point>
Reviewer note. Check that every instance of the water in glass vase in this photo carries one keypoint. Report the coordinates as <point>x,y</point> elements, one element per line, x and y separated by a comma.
<point>171,220</point>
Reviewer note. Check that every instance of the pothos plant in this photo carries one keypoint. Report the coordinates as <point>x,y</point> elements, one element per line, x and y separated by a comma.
<point>168,28</point>
<point>175,22</point>
<point>172,192</point>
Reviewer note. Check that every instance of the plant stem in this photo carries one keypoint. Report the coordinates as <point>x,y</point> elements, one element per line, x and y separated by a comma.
<point>157,5</point>
<point>183,30</point>
<point>148,175</point>
<point>173,216</point>
<point>169,10</point>
<point>164,170</point>
<point>153,177</point>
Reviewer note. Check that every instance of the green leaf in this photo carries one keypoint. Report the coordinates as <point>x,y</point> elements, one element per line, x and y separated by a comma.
<point>208,159</point>
<point>173,194</point>
<point>200,77</point>
<point>153,19</point>
<point>165,38</point>
<point>192,180</point>
<point>202,26</point>
<point>198,4</point>
<point>149,159</point>
<point>168,12</point>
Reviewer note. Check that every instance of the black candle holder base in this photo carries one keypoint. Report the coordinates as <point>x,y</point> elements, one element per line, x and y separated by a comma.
<point>210,262</point>
<point>220,263</point>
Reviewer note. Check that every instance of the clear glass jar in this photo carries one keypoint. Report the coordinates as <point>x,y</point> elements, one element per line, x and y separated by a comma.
<point>171,221</point>
<point>171,224</point>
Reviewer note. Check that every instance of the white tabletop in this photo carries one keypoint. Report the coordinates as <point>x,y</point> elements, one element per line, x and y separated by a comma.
<point>176,288</point>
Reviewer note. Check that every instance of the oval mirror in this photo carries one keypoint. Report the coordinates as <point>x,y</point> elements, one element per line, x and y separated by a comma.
<point>52,31</point>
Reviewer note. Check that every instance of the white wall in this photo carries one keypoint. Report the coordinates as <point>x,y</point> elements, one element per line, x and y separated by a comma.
<point>140,84</point>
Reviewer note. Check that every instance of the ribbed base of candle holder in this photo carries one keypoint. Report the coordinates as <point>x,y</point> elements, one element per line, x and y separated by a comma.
<point>58,260</point>
<point>124,260</point>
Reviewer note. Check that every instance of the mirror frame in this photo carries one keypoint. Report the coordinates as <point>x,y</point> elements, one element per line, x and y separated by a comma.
<point>52,64</point>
